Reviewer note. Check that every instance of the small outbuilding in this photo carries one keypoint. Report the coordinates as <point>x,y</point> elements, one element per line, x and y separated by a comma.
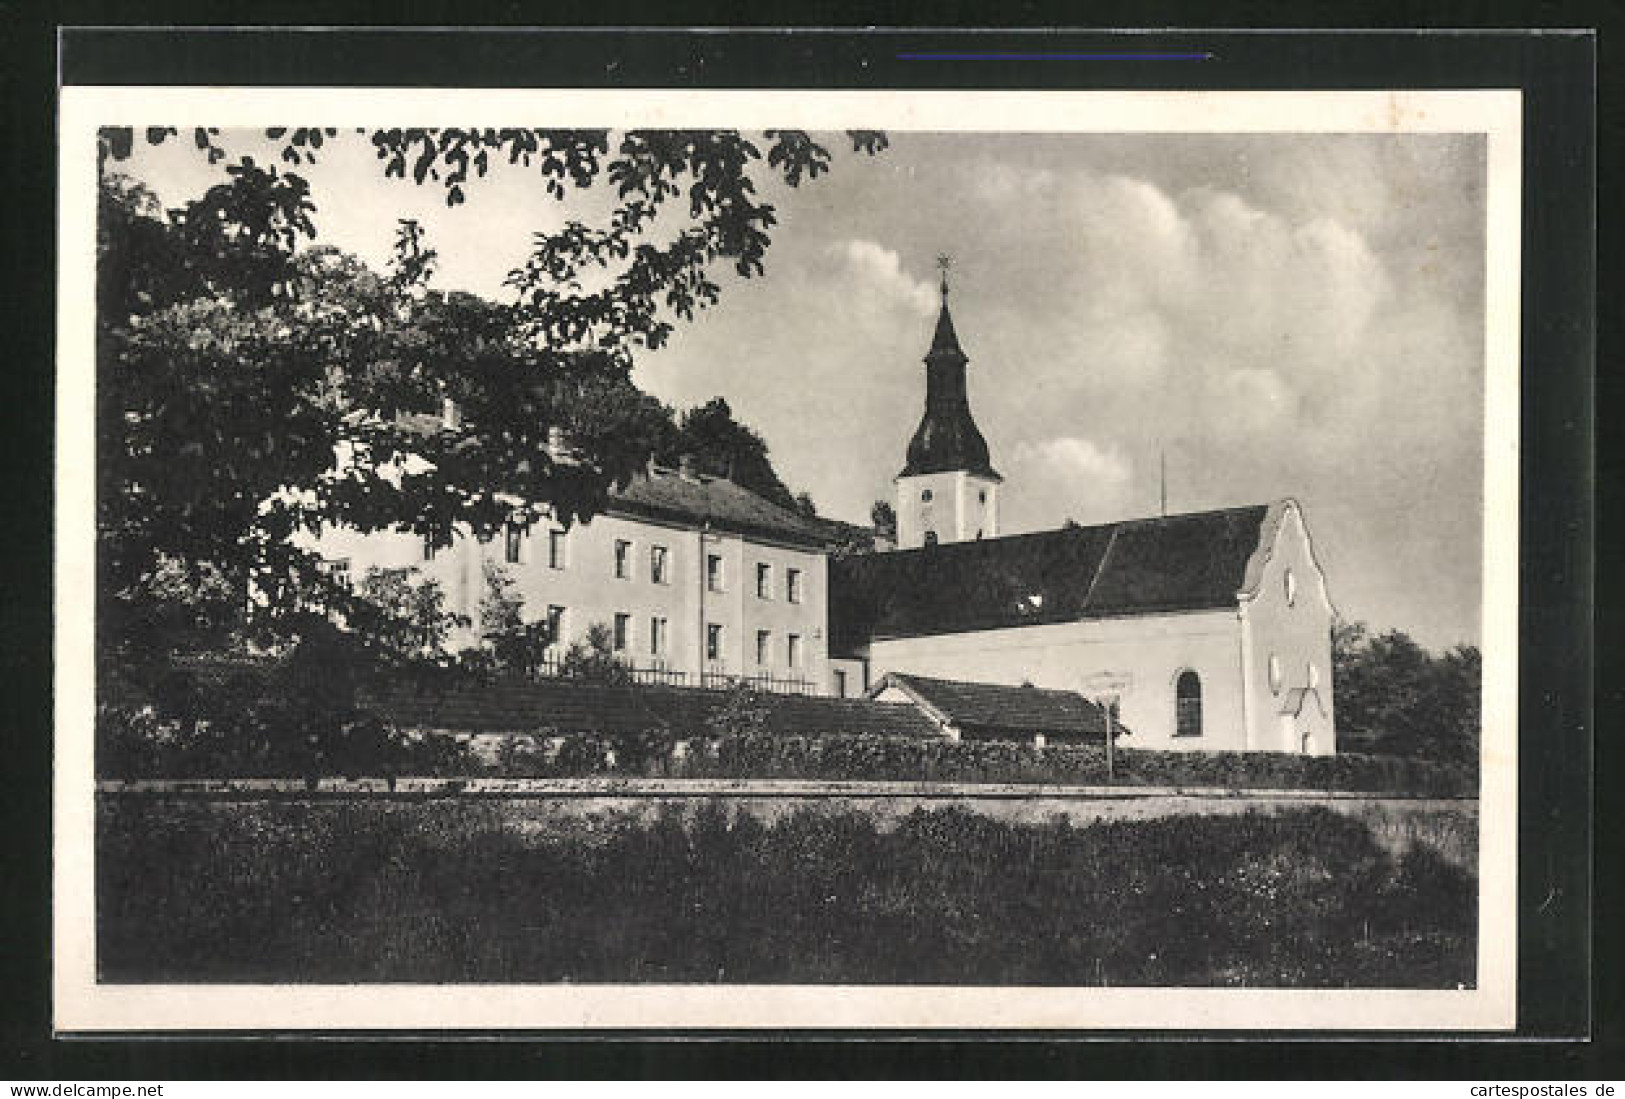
<point>993,711</point>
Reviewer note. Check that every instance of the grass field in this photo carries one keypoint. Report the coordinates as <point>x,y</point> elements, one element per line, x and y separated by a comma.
<point>454,891</point>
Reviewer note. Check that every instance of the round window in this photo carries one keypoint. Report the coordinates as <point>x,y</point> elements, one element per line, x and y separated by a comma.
<point>1289,583</point>
<point>1275,673</point>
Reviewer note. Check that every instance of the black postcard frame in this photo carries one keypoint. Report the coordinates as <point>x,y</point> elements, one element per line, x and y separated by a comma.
<point>1558,974</point>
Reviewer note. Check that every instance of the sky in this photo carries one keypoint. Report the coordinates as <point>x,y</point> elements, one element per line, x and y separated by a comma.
<point>1273,315</point>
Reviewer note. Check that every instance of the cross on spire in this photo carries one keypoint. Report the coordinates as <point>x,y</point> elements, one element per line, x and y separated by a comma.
<point>944,262</point>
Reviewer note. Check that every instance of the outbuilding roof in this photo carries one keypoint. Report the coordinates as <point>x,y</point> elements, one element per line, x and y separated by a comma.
<point>997,708</point>
<point>566,705</point>
<point>1171,563</point>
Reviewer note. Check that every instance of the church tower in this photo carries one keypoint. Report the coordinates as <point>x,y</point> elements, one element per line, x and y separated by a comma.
<point>948,490</point>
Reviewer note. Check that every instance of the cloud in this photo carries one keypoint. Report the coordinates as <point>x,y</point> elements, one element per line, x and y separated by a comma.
<point>1078,459</point>
<point>874,270</point>
<point>1072,477</point>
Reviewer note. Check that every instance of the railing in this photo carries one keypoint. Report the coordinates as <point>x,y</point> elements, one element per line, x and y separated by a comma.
<point>552,667</point>
<point>720,680</point>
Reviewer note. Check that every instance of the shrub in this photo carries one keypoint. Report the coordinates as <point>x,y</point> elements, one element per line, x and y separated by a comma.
<point>449,891</point>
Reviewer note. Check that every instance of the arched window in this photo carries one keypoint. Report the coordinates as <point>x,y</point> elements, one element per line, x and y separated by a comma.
<point>1289,586</point>
<point>930,537</point>
<point>925,496</point>
<point>1188,704</point>
<point>1275,674</point>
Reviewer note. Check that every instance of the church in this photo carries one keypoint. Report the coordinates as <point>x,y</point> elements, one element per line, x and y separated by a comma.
<point>1210,631</point>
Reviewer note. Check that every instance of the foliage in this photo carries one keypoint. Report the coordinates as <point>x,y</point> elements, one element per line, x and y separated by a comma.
<point>723,447</point>
<point>250,394</point>
<point>593,658</point>
<point>1398,698</point>
<point>735,744</point>
<point>410,620</point>
<point>512,646</point>
<point>884,519</point>
<point>461,891</point>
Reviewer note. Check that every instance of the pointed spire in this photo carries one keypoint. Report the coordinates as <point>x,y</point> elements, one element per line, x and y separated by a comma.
<point>945,339</point>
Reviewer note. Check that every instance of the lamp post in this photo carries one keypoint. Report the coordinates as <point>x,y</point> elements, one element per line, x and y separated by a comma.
<point>1105,689</point>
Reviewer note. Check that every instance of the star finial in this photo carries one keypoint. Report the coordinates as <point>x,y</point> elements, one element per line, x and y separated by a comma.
<point>944,262</point>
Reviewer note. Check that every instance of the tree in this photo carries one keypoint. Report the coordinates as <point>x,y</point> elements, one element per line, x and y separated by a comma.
<point>723,447</point>
<point>511,645</point>
<point>251,393</point>
<point>884,520</point>
<point>594,660</point>
<point>1398,698</point>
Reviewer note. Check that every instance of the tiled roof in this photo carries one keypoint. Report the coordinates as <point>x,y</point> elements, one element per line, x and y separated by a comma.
<point>696,499</point>
<point>1141,566</point>
<point>992,707</point>
<point>700,499</point>
<point>573,706</point>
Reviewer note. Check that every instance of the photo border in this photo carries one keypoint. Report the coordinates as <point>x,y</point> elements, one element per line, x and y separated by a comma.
<point>83,1006</point>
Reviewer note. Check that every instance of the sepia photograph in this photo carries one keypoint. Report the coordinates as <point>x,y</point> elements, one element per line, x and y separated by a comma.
<point>898,559</point>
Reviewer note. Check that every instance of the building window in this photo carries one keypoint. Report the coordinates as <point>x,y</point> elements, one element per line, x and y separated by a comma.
<point>792,585</point>
<point>764,647</point>
<point>792,650</point>
<point>623,559</point>
<point>1289,585</point>
<point>981,497</point>
<point>339,569</point>
<point>429,548</point>
<point>512,542</point>
<point>840,683</point>
<point>713,571</point>
<point>764,580</point>
<point>658,572</point>
<point>555,625</point>
<point>657,637</point>
<point>1275,674</point>
<point>930,537</point>
<point>925,496</point>
<point>555,549</point>
<point>623,631</point>
<point>1312,674</point>
<point>713,642</point>
<point>1188,704</point>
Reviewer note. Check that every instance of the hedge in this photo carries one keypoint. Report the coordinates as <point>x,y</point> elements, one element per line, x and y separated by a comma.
<point>765,755</point>
<point>454,891</point>
<point>140,747</point>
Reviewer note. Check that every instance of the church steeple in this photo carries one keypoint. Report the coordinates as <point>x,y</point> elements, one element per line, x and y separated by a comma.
<point>948,490</point>
<point>947,438</point>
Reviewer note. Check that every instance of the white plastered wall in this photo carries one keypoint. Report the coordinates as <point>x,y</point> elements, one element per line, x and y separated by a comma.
<point>1148,650</point>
